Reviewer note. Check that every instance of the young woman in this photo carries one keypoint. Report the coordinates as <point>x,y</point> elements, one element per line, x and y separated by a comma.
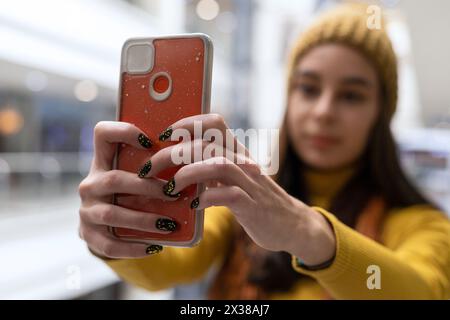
<point>339,220</point>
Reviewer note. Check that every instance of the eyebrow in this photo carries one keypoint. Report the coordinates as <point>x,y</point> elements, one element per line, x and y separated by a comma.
<point>307,74</point>
<point>350,80</point>
<point>355,80</point>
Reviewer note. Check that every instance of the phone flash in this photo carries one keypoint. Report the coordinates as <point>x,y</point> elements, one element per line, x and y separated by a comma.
<point>139,58</point>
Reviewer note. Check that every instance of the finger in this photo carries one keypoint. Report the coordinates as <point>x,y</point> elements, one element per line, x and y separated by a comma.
<point>117,216</point>
<point>207,121</point>
<point>232,197</point>
<point>189,152</point>
<point>101,242</point>
<point>121,182</point>
<point>208,126</point>
<point>219,169</point>
<point>212,184</point>
<point>108,133</point>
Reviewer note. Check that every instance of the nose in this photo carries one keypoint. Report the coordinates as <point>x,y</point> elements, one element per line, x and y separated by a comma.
<point>324,110</point>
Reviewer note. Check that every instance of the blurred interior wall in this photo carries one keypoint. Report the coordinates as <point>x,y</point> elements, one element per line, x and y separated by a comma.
<point>429,26</point>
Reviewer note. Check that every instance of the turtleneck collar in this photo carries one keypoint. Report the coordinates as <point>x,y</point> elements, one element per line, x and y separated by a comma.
<point>324,185</point>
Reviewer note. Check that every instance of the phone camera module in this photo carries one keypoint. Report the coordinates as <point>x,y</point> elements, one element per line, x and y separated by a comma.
<point>160,86</point>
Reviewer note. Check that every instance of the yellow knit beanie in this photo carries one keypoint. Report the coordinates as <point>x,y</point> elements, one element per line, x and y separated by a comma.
<point>348,24</point>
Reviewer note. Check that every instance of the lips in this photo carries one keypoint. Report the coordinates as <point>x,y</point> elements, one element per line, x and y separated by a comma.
<point>322,141</point>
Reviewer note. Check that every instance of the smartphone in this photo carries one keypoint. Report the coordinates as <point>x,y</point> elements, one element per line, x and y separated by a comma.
<point>162,79</point>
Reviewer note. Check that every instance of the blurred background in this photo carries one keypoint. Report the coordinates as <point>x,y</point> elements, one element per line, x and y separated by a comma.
<point>59,74</point>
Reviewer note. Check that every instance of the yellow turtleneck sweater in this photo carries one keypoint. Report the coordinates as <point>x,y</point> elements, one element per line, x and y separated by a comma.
<point>413,259</point>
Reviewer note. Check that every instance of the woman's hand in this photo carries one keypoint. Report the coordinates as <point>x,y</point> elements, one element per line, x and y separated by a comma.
<point>97,211</point>
<point>274,220</point>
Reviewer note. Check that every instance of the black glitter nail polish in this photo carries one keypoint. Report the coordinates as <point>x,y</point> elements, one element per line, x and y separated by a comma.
<point>145,169</point>
<point>144,141</point>
<point>195,203</point>
<point>176,195</point>
<point>166,134</point>
<point>166,224</point>
<point>154,248</point>
<point>169,187</point>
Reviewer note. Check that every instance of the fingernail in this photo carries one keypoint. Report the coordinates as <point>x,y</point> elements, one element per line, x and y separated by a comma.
<point>169,187</point>
<point>165,134</point>
<point>144,141</point>
<point>176,195</point>
<point>154,248</point>
<point>166,224</point>
<point>195,203</point>
<point>145,169</point>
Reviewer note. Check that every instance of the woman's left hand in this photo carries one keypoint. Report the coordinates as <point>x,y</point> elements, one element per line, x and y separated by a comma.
<point>273,219</point>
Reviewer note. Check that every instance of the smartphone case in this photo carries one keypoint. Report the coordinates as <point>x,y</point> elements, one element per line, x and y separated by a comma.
<point>176,84</point>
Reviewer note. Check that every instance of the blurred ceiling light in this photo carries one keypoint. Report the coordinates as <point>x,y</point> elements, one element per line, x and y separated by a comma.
<point>226,22</point>
<point>11,121</point>
<point>36,81</point>
<point>86,90</point>
<point>207,9</point>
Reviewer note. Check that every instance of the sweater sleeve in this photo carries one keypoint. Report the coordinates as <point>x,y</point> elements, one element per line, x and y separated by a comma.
<point>412,263</point>
<point>180,265</point>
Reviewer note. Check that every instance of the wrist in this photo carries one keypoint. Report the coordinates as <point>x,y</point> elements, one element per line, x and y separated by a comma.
<point>316,244</point>
<point>315,267</point>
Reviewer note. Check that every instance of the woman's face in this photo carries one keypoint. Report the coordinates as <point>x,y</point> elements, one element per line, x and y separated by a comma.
<point>332,107</point>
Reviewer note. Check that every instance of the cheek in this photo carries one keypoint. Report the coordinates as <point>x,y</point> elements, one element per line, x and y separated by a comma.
<point>356,129</point>
<point>296,116</point>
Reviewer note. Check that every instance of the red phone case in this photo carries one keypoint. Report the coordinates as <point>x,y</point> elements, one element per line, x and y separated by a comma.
<point>176,86</point>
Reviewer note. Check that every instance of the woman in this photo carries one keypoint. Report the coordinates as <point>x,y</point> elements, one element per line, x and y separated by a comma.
<point>340,220</point>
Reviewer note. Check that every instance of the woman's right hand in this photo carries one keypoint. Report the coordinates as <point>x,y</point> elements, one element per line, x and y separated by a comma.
<point>97,212</point>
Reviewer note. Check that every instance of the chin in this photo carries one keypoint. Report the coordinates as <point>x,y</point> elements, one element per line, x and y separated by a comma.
<point>323,162</point>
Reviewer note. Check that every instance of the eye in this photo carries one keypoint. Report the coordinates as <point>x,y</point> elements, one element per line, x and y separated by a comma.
<point>352,97</point>
<point>308,90</point>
